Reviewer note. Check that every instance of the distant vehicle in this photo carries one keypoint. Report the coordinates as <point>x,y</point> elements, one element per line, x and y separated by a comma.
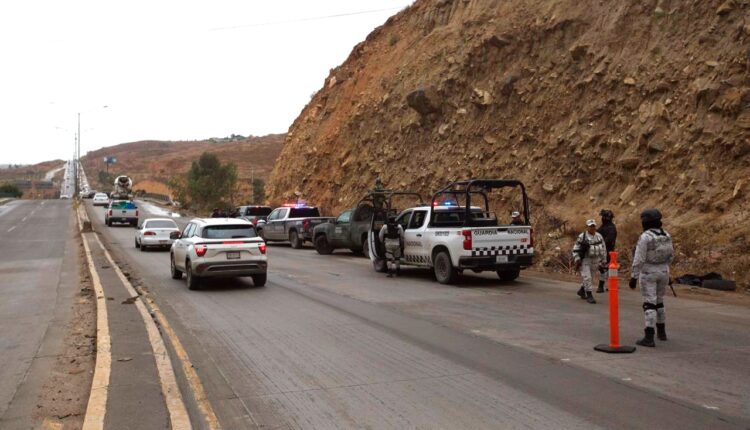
<point>100,199</point>
<point>123,188</point>
<point>121,211</point>
<point>90,194</point>
<point>451,235</point>
<point>155,232</point>
<point>64,196</point>
<point>254,213</point>
<point>218,247</point>
<point>292,222</point>
<point>348,230</point>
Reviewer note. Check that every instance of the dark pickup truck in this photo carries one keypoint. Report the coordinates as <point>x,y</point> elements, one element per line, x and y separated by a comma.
<point>347,231</point>
<point>294,223</point>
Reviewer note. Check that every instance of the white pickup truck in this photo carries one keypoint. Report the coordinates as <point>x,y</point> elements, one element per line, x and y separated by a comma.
<point>451,235</point>
<point>121,211</point>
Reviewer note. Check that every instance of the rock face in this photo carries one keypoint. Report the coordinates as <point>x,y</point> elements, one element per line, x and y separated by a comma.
<point>576,96</point>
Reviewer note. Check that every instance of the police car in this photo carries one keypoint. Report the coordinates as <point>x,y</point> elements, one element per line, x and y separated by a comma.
<point>451,235</point>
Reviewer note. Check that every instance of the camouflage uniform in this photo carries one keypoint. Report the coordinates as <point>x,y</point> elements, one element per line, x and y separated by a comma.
<point>653,254</point>
<point>596,256</point>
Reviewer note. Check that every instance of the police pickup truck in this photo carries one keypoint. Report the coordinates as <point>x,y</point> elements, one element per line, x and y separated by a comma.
<point>451,235</point>
<point>292,222</point>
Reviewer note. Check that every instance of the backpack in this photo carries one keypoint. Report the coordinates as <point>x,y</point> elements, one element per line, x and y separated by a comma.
<point>583,247</point>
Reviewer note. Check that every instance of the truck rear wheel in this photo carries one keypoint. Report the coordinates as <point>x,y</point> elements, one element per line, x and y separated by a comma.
<point>294,240</point>
<point>508,275</point>
<point>445,273</point>
<point>322,245</point>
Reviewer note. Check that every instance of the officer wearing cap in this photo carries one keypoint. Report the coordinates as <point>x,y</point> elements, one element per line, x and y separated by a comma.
<point>608,230</point>
<point>589,254</point>
<point>653,254</point>
<point>516,218</point>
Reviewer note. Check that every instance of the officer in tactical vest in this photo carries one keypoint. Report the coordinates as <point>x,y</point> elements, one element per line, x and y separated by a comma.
<point>589,254</point>
<point>608,230</point>
<point>392,236</point>
<point>653,254</point>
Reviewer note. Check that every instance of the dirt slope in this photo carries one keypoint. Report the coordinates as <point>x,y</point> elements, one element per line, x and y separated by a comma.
<point>152,163</point>
<point>592,104</point>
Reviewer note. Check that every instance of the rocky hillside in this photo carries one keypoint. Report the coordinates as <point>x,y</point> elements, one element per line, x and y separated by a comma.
<point>591,103</point>
<point>151,164</point>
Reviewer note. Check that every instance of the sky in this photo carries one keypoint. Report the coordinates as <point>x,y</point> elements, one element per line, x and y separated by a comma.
<point>165,70</point>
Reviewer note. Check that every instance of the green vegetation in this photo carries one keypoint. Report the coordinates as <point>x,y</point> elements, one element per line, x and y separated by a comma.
<point>259,191</point>
<point>207,184</point>
<point>10,190</point>
<point>106,180</point>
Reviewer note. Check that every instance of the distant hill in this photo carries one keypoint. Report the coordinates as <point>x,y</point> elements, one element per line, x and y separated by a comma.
<point>152,163</point>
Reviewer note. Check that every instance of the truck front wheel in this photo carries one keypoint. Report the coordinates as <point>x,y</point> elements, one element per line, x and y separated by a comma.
<point>322,245</point>
<point>445,273</point>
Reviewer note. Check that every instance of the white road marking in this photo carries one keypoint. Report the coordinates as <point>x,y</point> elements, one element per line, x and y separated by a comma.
<point>24,219</point>
<point>11,229</point>
<point>627,379</point>
<point>178,416</point>
<point>97,405</point>
<point>564,359</point>
<point>713,408</point>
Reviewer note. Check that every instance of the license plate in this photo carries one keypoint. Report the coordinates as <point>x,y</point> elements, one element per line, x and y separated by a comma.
<point>233,255</point>
<point>502,258</point>
<point>164,242</point>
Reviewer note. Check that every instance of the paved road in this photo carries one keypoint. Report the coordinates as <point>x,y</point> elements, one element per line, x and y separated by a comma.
<point>38,283</point>
<point>330,344</point>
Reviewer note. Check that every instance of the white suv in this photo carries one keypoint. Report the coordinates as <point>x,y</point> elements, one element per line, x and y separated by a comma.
<point>218,247</point>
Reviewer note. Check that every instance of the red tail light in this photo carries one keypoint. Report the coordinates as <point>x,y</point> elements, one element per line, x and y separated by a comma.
<point>149,233</point>
<point>110,212</point>
<point>467,239</point>
<point>262,248</point>
<point>531,238</point>
<point>200,250</point>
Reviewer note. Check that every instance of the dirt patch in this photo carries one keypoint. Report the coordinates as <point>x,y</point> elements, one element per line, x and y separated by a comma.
<point>64,396</point>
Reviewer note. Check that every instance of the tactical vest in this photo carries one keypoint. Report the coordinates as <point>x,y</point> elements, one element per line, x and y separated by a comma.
<point>659,248</point>
<point>391,231</point>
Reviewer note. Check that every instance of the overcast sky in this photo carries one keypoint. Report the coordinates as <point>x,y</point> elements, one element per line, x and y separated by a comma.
<point>167,70</point>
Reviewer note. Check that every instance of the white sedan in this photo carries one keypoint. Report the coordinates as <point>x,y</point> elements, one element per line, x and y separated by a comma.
<point>155,232</point>
<point>101,199</point>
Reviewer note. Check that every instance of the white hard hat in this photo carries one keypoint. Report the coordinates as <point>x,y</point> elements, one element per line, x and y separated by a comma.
<point>591,222</point>
<point>515,214</point>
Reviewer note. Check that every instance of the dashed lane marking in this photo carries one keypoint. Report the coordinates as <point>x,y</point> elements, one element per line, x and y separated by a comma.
<point>97,405</point>
<point>178,415</point>
<point>11,229</point>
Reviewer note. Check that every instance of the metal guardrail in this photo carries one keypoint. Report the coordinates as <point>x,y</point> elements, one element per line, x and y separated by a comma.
<point>155,196</point>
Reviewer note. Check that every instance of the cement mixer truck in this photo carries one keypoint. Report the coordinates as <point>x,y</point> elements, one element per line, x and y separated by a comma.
<point>123,188</point>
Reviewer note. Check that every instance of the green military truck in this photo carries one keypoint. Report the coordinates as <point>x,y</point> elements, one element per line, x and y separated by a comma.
<point>347,231</point>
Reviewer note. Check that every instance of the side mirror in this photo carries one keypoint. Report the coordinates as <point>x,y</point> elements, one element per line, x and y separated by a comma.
<point>175,235</point>
<point>260,222</point>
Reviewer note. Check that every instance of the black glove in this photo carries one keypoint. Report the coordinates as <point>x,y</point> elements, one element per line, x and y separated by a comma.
<point>633,283</point>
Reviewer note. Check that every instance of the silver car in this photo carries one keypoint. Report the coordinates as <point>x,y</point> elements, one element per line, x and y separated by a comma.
<point>218,247</point>
<point>155,232</point>
<point>100,199</point>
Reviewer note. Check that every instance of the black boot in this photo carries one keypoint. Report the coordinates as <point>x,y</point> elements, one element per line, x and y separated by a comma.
<point>590,297</point>
<point>601,287</point>
<point>661,331</point>
<point>648,339</point>
<point>582,293</point>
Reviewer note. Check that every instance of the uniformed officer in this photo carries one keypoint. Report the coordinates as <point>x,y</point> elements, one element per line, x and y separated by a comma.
<point>392,236</point>
<point>589,254</point>
<point>653,254</point>
<point>516,218</point>
<point>608,230</point>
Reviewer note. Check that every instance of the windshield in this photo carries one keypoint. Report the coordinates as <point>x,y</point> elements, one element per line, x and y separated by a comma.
<point>101,196</point>
<point>257,210</point>
<point>123,205</point>
<point>304,213</point>
<point>161,224</point>
<point>228,232</point>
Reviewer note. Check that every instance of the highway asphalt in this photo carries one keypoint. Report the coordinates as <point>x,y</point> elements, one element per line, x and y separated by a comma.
<point>328,343</point>
<point>38,285</point>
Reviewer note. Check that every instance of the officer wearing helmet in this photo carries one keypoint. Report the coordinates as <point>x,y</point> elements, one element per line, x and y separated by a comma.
<point>392,236</point>
<point>589,254</point>
<point>653,254</point>
<point>516,218</point>
<point>608,230</point>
